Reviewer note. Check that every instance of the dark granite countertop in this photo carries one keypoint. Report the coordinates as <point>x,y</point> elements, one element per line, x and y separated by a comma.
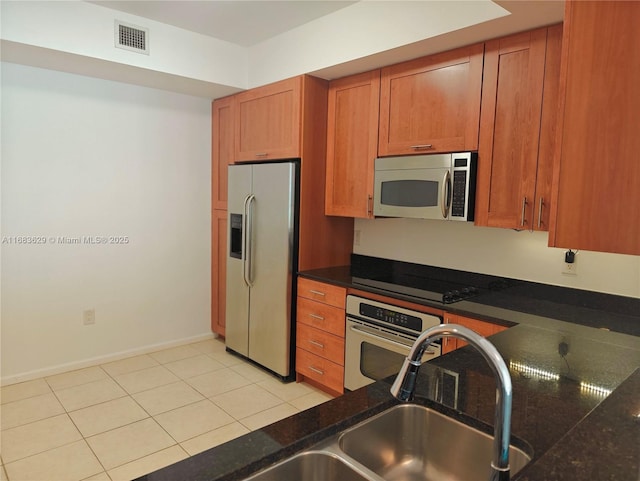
<point>575,390</point>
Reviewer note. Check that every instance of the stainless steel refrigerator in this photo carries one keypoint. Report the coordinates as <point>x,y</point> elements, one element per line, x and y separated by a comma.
<point>261,263</point>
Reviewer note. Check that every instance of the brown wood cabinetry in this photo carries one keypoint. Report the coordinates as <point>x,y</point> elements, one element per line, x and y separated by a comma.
<point>221,156</point>
<point>431,104</point>
<point>299,107</point>
<point>596,184</point>
<point>320,335</point>
<point>483,328</point>
<point>221,149</point>
<point>352,143</point>
<point>218,271</point>
<point>517,129</point>
<point>268,121</point>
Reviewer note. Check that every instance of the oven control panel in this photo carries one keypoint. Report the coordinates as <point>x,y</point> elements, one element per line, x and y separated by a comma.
<point>385,314</point>
<point>392,317</point>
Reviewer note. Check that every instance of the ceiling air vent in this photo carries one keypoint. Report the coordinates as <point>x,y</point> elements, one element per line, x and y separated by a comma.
<point>132,37</point>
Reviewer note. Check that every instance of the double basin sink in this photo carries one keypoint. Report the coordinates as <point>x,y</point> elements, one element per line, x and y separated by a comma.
<point>407,442</point>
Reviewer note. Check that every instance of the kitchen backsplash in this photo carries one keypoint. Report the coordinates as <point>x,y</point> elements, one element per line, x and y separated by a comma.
<point>503,252</point>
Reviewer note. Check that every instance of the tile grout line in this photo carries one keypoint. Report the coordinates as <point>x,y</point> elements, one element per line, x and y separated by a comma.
<point>240,365</point>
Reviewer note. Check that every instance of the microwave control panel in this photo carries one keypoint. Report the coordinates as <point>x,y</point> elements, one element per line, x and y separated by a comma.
<point>463,186</point>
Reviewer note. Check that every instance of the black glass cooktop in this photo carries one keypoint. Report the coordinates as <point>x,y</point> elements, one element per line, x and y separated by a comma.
<point>431,289</point>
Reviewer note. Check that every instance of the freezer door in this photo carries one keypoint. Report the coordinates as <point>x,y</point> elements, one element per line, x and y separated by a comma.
<point>272,214</point>
<point>237,310</point>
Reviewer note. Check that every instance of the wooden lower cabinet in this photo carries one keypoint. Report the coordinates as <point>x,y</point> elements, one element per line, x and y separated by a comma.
<point>325,374</point>
<point>485,329</point>
<point>320,330</point>
<point>218,271</point>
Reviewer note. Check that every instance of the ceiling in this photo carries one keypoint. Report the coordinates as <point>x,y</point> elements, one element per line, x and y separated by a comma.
<point>266,40</point>
<point>242,22</point>
<point>249,22</point>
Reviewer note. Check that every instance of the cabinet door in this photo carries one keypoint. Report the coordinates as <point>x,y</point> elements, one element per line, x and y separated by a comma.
<point>510,130</point>
<point>267,124</point>
<point>352,143</point>
<point>548,129</point>
<point>485,329</point>
<point>221,149</point>
<point>597,173</point>
<point>431,104</point>
<point>218,271</point>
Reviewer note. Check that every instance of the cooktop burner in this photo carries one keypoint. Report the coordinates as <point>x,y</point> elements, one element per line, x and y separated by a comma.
<point>438,290</point>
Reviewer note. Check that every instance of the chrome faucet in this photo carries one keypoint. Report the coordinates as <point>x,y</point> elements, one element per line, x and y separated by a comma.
<point>404,385</point>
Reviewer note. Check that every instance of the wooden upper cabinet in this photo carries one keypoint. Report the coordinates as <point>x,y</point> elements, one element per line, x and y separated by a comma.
<point>514,87</point>
<point>352,142</point>
<point>221,149</point>
<point>548,129</point>
<point>268,121</point>
<point>431,104</point>
<point>596,184</point>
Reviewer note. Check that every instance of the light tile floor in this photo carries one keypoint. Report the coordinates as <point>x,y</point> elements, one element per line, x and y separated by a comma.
<point>120,420</point>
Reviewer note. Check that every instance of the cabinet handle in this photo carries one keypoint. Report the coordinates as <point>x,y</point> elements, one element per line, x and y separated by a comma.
<point>262,154</point>
<point>317,293</point>
<point>370,205</point>
<point>422,146</point>
<point>540,211</point>
<point>316,343</point>
<point>524,207</point>
<point>316,316</point>
<point>316,370</point>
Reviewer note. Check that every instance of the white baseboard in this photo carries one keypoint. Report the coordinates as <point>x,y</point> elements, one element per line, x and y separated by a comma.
<point>94,361</point>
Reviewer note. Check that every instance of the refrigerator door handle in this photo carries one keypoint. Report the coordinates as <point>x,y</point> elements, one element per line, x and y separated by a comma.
<point>248,238</point>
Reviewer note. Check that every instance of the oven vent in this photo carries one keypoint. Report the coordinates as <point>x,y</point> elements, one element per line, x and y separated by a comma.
<point>132,37</point>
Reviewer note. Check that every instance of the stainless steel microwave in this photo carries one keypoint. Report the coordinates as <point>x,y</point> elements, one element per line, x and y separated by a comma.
<point>436,186</point>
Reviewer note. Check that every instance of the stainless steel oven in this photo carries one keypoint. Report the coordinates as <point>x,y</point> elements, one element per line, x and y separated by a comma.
<point>378,339</point>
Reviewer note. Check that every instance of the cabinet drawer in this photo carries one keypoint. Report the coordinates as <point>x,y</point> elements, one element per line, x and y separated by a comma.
<point>321,343</point>
<point>320,370</point>
<point>319,291</point>
<point>321,316</point>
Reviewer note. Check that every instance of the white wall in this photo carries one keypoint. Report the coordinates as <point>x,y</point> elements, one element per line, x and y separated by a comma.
<point>503,252</point>
<point>89,157</point>
<point>78,37</point>
<point>365,29</point>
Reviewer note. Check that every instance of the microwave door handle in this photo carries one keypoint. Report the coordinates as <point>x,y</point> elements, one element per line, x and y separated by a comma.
<point>446,194</point>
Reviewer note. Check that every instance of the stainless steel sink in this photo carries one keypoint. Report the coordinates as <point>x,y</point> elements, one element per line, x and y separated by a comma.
<point>414,443</point>
<point>311,466</point>
<point>407,442</point>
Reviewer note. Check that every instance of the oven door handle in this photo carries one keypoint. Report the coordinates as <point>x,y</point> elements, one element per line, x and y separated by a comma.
<point>362,332</point>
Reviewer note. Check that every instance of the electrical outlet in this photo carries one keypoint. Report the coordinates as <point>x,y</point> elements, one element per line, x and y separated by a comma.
<point>89,317</point>
<point>356,238</point>
<point>570,269</point>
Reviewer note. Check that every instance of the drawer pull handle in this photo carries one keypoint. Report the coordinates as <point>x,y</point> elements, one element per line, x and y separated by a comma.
<point>316,343</point>
<point>317,293</point>
<point>316,316</point>
<point>316,370</point>
<point>422,146</point>
<point>261,154</point>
